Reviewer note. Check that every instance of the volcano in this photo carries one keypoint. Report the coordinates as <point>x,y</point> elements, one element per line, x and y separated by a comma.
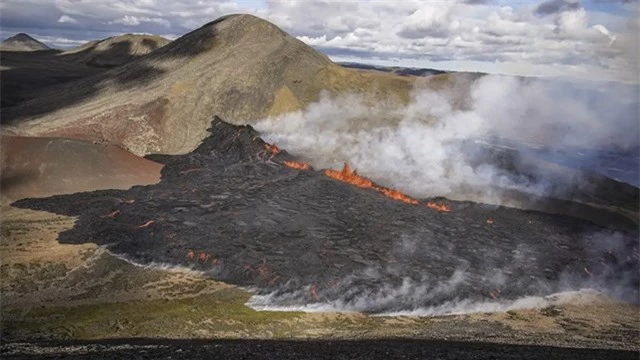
<point>233,208</point>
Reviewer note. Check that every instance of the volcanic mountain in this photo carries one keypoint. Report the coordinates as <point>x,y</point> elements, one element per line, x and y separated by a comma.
<point>22,42</point>
<point>114,51</point>
<point>240,67</point>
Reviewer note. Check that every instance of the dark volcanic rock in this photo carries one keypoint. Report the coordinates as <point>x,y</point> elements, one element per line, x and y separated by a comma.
<point>305,349</point>
<point>230,207</point>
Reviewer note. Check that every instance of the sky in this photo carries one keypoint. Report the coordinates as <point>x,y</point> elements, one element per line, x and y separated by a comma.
<point>590,39</point>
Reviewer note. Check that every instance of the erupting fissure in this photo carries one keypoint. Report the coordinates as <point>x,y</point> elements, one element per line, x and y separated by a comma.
<point>273,149</point>
<point>397,195</point>
<point>297,165</point>
<point>438,207</point>
<point>351,177</point>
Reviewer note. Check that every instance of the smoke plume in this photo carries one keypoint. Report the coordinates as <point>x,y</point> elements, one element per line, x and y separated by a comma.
<point>435,145</point>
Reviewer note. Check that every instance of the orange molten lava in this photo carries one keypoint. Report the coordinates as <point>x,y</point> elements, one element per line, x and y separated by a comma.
<point>297,165</point>
<point>111,215</point>
<point>439,207</point>
<point>349,176</point>
<point>397,195</point>
<point>146,224</point>
<point>273,149</point>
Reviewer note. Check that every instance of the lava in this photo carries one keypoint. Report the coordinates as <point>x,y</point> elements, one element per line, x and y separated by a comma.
<point>111,214</point>
<point>495,293</point>
<point>273,149</point>
<point>349,176</point>
<point>314,292</point>
<point>397,195</point>
<point>145,224</point>
<point>297,165</point>
<point>439,207</point>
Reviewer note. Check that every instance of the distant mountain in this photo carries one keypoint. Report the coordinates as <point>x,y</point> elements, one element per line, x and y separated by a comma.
<point>114,51</point>
<point>22,42</point>
<point>239,67</point>
<point>407,71</point>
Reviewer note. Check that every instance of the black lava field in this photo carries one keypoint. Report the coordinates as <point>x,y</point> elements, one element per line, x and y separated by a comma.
<point>232,208</point>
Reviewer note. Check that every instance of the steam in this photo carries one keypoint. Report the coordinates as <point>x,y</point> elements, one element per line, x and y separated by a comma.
<point>488,286</point>
<point>431,146</point>
<point>457,307</point>
<point>154,265</point>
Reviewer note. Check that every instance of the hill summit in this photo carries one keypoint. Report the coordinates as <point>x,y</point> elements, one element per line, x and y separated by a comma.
<point>22,42</point>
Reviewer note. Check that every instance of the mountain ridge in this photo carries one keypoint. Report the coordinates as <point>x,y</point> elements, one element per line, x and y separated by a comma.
<point>114,51</point>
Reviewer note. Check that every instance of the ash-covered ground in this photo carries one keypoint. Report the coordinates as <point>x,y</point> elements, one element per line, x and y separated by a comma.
<point>233,209</point>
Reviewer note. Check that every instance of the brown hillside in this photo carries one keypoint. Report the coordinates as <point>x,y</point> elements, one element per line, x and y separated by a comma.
<point>39,167</point>
<point>239,67</point>
<point>114,51</point>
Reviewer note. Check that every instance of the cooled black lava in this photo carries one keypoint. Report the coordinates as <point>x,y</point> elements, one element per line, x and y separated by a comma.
<point>233,209</point>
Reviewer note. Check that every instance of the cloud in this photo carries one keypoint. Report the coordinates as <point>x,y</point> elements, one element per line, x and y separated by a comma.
<point>557,6</point>
<point>67,19</point>
<point>556,34</point>
<point>129,20</point>
<point>432,21</point>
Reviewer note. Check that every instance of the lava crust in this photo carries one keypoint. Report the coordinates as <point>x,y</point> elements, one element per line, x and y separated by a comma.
<point>232,208</point>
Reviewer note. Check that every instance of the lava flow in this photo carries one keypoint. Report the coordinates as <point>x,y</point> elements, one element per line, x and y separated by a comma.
<point>273,149</point>
<point>397,195</point>
<point>297,165</point>
<point>438,207</point>
<point>145,224</point>
<point>349,176</point>
<point>308,235</point>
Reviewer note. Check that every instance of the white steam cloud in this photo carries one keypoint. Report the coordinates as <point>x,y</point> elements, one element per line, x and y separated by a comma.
<point>420,147</point>
<point>272,302</point>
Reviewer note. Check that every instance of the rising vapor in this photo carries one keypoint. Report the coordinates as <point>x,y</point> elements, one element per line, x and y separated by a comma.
<point>423,147</point>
